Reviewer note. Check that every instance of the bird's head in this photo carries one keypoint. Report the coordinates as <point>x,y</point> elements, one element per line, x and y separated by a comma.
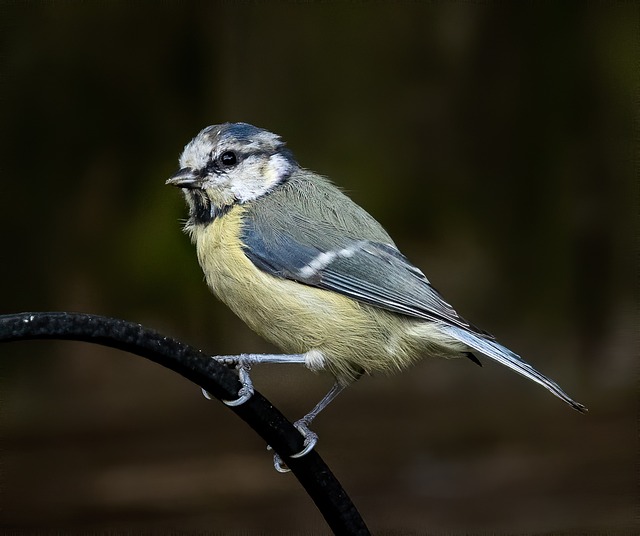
<point>228,164</point>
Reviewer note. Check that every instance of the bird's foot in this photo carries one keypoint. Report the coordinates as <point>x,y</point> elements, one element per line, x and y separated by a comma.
<point>310,440</point>
<point>246,391</point>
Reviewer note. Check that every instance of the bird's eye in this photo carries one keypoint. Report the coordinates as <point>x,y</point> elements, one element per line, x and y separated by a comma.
<point>228,159</point>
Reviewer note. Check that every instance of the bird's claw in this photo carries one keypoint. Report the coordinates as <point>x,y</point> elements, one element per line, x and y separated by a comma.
<point>244,395</point>
<point>310,440</point>
<point>278,464</point>
<point>245,392</point>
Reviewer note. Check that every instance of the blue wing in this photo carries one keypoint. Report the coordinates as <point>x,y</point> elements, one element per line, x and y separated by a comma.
<point>370,272</point>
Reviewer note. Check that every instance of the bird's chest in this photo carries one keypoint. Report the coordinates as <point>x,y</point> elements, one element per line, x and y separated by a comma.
<point>220,254</point>
<point>252,294</point>
<point>294,316</point>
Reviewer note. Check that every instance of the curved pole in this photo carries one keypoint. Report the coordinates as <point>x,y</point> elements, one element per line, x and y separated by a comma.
<point>215,378</point>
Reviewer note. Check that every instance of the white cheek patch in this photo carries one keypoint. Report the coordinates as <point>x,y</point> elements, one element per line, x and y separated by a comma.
<point>246,181</point>
<point>277,169</point>
<point>324,259</point>
<point>255,176</point>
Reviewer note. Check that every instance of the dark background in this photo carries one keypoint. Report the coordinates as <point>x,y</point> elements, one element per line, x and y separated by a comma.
<point>497,145</point>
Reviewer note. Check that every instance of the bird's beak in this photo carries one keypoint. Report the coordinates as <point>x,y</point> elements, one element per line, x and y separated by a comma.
<point>185,178</point>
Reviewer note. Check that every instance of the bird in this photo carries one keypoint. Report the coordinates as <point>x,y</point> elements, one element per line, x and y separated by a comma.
<point>312,272</point>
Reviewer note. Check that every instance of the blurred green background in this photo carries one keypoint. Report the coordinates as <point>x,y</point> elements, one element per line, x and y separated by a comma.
<point>496,145</point>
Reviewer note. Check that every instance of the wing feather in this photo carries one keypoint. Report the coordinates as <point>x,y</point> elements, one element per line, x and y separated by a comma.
<point>370,272</point>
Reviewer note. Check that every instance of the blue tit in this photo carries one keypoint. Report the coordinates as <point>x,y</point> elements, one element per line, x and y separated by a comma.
<point>311,271</point>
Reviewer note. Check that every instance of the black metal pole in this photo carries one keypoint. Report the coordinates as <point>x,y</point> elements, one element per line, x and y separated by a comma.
<point>314,475</point>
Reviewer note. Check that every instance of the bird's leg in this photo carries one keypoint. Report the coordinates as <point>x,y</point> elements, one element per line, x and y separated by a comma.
<point>258,359</point>
<point>243,363</point>
<point>310,437</point>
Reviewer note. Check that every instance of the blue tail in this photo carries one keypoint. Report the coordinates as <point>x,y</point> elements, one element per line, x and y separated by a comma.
<point>506,357</point>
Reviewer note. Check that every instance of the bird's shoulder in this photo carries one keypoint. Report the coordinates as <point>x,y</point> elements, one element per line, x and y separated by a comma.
<point>311,207</point>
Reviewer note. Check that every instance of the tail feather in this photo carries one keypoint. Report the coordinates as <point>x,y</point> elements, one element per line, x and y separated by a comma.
<point>506,357</point>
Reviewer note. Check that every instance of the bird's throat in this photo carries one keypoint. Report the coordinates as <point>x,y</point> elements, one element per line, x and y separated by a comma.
<point>203,210</point>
